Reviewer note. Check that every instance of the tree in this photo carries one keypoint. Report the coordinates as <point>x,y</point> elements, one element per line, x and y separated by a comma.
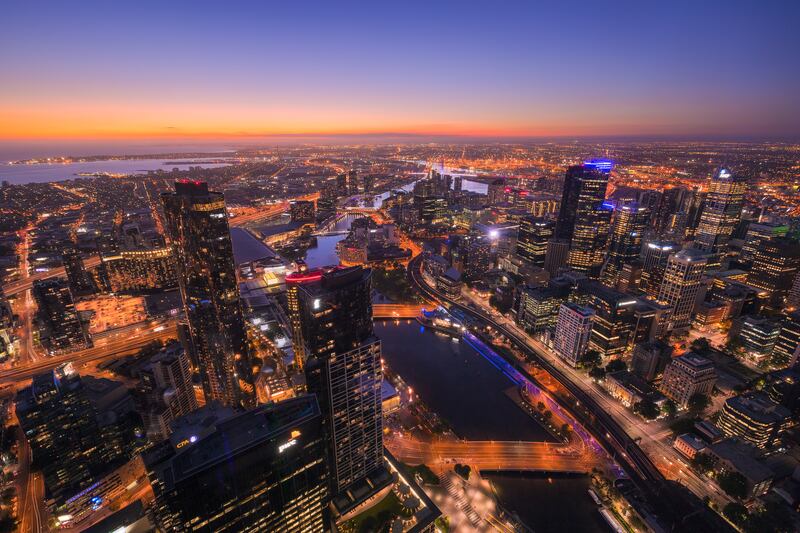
<point>669,408</point>
<point>616,365</point>
<point>592,359</point>
<point>540,407</point>
<point>565,429</point>
<point>703,462</point>
<point>735,512</point>
<point>700,344</point>
<point>462,470</point>
<point>597,373</point>
<point>647,409</point>
<point>698,403</point>
<point>547,415</point>
<point>682,425</point>
<point>733,483</point>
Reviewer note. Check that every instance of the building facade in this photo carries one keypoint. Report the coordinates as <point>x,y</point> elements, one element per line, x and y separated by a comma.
<point>197,223</point>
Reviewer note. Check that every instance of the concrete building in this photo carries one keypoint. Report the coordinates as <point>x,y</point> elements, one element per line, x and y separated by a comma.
<point>753,418</point>
<point>686,376</point>
<point>681,283</point>
<point>573,329</point>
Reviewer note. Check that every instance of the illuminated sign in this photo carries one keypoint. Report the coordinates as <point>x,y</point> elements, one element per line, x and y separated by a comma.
<point>724,173</point>
<point>286,445</point>
<point>316,303</point>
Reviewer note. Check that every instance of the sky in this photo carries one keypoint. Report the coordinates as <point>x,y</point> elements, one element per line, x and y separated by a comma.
<point>245,70</point>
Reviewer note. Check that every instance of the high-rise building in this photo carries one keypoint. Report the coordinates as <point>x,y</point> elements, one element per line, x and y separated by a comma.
<point>79,280</point>
<point>630,222</point>
<point>721,212</point>
<point>614,318</point>
<point>585,189</point>
<point>556,256</point>
<point>260,470</point>
<point>650,359</point>
<point>301,275</point>
<point>532,238</point>
<point>573,329</point>
<point>61,427</point>
<point>793,298</point>
<point>759,233</point>
<point>584,217</point>
<point>758,336</point>
<point>343,368</point>
<point>775,264</point>
<point>754,418</point>
<point>656,255</point>
<point>682,277</point>
<point>686,376</point>
<point>665,216</point>
<point>197,222</point>
<point>60,327</point>
<point>165,390</point>
<point>787,346</point>
<point>496,192</point>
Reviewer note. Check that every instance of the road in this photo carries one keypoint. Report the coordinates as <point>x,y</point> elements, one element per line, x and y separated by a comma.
<point>109,348</point>
<point>493,455</point>
<point>671,504</point>
<point>30,491</point>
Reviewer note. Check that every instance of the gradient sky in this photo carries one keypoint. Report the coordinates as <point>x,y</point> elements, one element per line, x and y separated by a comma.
<point>114,69</point>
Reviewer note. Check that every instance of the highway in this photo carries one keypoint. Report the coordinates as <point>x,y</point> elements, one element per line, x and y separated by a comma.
<point>110,348</point>
<point>670,503</point>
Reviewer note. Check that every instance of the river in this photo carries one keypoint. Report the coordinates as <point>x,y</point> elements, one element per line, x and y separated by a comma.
<point>459,384</point>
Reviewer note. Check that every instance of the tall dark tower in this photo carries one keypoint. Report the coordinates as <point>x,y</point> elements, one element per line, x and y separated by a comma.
<point>197,223</point>
<point>532,238</point>
<point>343,368</point>
<point>583,218</point>
<point>630,222</point>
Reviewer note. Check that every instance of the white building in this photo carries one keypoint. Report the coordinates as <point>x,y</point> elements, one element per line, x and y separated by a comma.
<point>572,332</point>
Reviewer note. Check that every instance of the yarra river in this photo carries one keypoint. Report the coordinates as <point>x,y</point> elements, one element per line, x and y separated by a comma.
<point>456,382</point>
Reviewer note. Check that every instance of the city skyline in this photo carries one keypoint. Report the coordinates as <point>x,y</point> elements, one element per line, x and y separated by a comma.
<point>445,267</point>
<point>718,70</point>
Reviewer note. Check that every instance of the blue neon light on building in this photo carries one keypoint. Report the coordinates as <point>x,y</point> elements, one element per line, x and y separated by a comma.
<point>603,165</point>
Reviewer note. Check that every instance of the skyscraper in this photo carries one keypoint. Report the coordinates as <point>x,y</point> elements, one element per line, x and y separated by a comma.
<point>681,284</point>
<point>60,327</point>
<point>573,328</point>
<point>532,238</point>
<point>787,346</point>
<point>343,369</point>
<point>721,212</point>
<point>583,217</point>
<point>300,276</point>
<point>630,222</point>
<point>260,470</point>
<point>197,223</point>
<point>61,427</point>
<point>166,390</point>
<point>775,265</point>
<point>759,233</point>
<point>656,254</point>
